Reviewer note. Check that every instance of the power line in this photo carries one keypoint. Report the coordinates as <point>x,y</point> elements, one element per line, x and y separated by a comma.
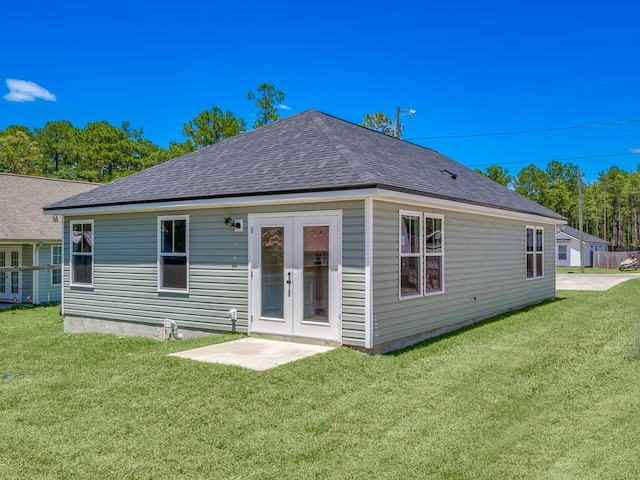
<point>517,132</point>
<point>556,159</point>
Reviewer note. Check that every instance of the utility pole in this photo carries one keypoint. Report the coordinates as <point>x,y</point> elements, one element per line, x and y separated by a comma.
<point>398,130</point>
<point>580,220</point>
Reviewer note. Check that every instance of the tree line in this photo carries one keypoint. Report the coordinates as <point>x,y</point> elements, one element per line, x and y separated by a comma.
<point>610,204</point>
<point>101,152</point>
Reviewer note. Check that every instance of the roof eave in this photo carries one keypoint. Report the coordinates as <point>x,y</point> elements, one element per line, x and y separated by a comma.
<point>310,195</point>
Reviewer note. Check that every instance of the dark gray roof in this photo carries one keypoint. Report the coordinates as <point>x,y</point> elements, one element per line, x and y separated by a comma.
<point>21,201</point>
<point>310,151</point>
<point>586,238</point>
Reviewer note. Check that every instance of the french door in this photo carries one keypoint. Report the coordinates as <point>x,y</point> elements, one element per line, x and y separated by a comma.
<point>295,275</point>
<point>10,281</point>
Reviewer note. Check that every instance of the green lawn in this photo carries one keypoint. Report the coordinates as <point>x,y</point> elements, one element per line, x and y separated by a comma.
<point>552,391</point>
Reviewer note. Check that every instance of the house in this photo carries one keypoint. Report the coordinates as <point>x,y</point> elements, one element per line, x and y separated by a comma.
<point>28,238</point>
<point>568,247</point>
<point>310,228</point>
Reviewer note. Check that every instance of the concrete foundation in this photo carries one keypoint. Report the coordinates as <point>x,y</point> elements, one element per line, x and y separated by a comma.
<point>124,329</point>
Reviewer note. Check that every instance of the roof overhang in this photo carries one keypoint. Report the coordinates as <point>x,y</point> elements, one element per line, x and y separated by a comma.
<point>375,192</point>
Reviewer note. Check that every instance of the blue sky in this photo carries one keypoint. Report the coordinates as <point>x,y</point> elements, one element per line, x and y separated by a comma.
<point>466,67</point>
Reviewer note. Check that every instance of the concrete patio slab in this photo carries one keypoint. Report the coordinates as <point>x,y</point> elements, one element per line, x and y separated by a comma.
<point>576,281</point>
<point>253,353</point>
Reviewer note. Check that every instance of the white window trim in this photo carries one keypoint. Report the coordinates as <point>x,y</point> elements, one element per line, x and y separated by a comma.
<point>422,291</point>
<point>534,253</point>
<point>440,254</point>
<point>91,254</point>
<point>53,263</point>
<point>160,288</point>
<point>565,252</point>
<point>408,213</point>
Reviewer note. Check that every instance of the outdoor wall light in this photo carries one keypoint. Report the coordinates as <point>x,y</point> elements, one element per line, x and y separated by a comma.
<point>235,224</point>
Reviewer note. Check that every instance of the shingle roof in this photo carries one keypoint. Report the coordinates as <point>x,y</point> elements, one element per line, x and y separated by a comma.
<point>21,202</point>
<point>310,151</point>
<point>586,238</point>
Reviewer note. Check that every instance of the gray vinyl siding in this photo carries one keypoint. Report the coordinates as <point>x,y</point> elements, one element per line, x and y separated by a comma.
<point>353,279</point>
<point>125,277</point>
<point>484,272</point>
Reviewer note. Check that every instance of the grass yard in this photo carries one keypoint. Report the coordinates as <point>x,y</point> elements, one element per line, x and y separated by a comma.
<point>552,391</point>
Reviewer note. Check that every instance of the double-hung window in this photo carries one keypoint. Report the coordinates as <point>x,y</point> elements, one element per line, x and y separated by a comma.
<point>410,254</point>
<point>56,259</point>
<point>173,253</point>
<point>82,248</point>
<point>421,254</point>
<point>562,252</point>
<point>534,251</point>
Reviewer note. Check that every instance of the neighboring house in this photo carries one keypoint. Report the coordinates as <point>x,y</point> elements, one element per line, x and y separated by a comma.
<point>568,247</point>
<point>310,228</point>
<point>28,237</point>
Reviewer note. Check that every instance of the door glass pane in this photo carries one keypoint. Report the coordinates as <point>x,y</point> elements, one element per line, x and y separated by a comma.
<point>316,274</point>
<point>272,271</point>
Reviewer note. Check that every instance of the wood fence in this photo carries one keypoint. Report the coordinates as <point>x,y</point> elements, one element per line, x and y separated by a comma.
<point>611,259</point>
<point>30,268</point>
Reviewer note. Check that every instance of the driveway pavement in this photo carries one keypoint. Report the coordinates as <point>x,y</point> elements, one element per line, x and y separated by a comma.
<point>576,281</point>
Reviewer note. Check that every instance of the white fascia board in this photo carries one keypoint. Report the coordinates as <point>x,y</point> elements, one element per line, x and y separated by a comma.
<point>423,201</point>
<point>283,199</point>
<point>310,197</point>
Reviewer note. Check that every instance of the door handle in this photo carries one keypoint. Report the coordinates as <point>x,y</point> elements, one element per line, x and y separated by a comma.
<point>289,278</point>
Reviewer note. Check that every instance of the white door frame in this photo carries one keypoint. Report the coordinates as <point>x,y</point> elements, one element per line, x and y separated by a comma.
<point>293,323</point>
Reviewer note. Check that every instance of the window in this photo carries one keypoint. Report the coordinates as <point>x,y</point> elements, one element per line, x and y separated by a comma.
<point>173,253</point>
<point>82,253</point>
<point>410,255</point>
<point>421,254</point>
<point>562,252</point>
<point>534,251</point>
<point>433,253</point>
<point>56,259</point>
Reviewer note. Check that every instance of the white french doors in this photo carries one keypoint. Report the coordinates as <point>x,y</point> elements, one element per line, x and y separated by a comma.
<point>295,275</point>
<point>10,281</point>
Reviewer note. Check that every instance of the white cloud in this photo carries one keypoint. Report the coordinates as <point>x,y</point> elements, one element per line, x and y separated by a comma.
<point>23,91</point>
<point>282,106</point>
<point>635,150</point>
